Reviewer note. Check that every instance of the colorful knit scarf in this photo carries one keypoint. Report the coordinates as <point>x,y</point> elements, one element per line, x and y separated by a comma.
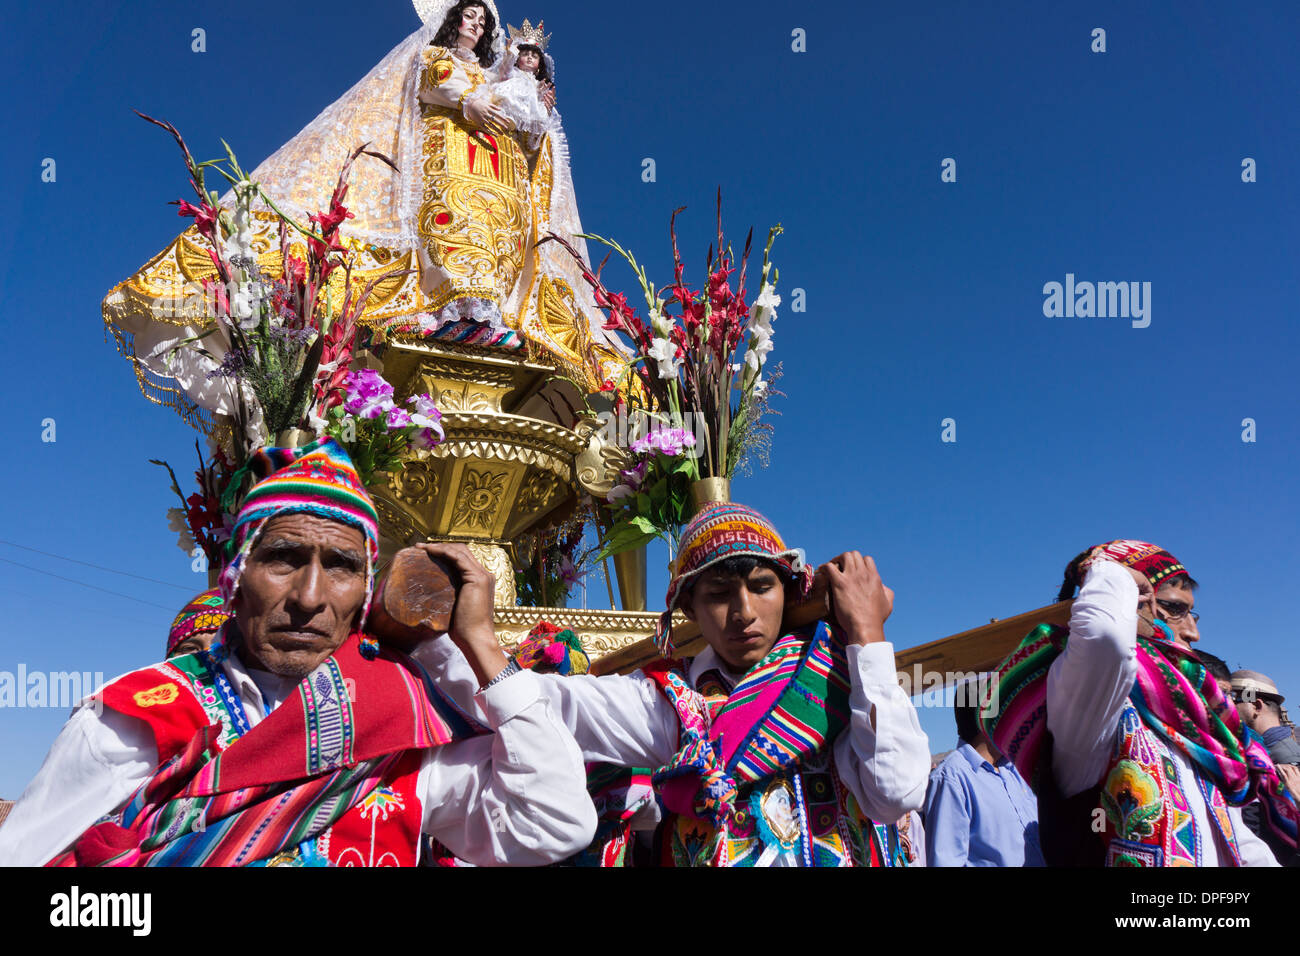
<point>791,704</point>
<point>1176,698</point>
<point>281,783</point>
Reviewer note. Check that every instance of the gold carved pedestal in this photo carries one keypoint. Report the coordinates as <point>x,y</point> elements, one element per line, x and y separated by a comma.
<point>506,469</point>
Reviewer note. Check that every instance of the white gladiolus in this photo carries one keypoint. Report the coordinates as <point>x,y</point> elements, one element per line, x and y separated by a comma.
<point>240,241</point>
<point>660,325</point>
<point>665,355</point>
<point>241,305</point>
<point>763,312</point>
<point>760,343</point>
<point>176,520</point>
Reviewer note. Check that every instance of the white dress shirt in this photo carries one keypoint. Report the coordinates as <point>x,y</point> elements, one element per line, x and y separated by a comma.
<point>883,756</point>
<point>515,796</point>
<point>1087,688</point>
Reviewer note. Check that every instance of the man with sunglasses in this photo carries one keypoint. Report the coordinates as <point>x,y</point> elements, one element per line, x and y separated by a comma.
<point>1174,603</point>
<point>1126,734</point>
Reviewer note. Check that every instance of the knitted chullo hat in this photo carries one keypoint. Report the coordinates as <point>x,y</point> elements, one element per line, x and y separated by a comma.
<point>726,530</point>
<point>203,615</point>
<point>1150,559</point>
<point>317,479</point>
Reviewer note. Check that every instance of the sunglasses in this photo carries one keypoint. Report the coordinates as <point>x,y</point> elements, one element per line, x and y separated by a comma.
<point>1177,610</point>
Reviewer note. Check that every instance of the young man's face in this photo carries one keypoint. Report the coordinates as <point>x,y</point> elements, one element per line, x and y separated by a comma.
<point>1174,605</point>
<point>740,618</point>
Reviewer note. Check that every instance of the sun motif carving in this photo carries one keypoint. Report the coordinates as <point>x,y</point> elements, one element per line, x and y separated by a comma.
<point>479,497</point>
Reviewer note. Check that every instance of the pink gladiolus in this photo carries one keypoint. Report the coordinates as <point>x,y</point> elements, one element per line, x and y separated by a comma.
<point>205,218</point>
<point>398,418</point>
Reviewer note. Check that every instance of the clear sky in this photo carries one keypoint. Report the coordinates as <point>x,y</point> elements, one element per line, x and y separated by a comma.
<point>924,299</point>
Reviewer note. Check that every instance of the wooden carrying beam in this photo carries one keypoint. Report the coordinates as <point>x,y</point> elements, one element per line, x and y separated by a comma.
<point>979,649</point>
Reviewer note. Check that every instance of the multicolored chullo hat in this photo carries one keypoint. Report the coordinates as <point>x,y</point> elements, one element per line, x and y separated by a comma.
<point>1150,559</point>
<point>317,479</point>
<point>204,614</point>
<point>726,530</point>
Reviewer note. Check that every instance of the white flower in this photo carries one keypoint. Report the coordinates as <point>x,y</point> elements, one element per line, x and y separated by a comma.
<point>618,492</point>
<point>660,325</point>
<point>177,522</point>
<point>760,343</point>
<point>763,312</point>
<point>665,355</point>
<point>760,388</point>
<point>242,298</point>
<point>316,423</point>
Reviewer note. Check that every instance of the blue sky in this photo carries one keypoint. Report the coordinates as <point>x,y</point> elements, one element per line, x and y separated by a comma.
<point>924,299</point>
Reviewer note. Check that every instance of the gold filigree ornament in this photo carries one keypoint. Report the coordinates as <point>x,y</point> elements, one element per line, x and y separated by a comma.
<point>538,491</point>
<point>480,497</point>
<point>416,482</point>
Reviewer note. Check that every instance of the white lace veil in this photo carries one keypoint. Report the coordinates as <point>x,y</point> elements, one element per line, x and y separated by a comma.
<point>382,110</point>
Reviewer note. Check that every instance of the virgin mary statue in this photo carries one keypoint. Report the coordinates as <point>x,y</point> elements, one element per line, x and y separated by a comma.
<point>479,180</point>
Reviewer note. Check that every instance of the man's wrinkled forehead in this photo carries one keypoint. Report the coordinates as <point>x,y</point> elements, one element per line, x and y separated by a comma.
<point>299,529</point>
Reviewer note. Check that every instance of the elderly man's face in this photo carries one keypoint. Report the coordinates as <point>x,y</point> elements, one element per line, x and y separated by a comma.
<point>300,593</point>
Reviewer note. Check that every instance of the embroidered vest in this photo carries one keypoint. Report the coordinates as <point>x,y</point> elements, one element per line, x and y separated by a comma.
<point>808,812</point>
<point>789,803</point>
<point>1147,817</point>
<point>179,697</point>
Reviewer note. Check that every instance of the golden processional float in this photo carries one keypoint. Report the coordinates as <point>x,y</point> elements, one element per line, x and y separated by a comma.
<point>409,276</point>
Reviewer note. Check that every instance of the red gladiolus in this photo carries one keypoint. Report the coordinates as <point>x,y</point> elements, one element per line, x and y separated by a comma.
<point>218,291</point>
<point>618,303</point>
<point>330,221</point>
<point>205,217</point>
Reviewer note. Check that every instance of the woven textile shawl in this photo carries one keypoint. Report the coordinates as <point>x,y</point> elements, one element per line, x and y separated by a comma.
<point>1176,698</point>
<point>284,781</point>
<point>789,705</point>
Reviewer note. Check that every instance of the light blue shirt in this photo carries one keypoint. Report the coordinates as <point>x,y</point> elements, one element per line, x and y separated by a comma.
<point>980,815</point>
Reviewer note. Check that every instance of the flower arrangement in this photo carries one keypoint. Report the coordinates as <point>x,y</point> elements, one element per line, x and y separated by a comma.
<point>280,343</point>
<point>696,375</point>
<point>200,521</point>
<point>282,346</point>
<point>375,430</point>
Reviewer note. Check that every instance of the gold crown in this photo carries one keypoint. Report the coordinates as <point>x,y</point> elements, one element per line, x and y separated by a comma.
<point>529,35</point>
